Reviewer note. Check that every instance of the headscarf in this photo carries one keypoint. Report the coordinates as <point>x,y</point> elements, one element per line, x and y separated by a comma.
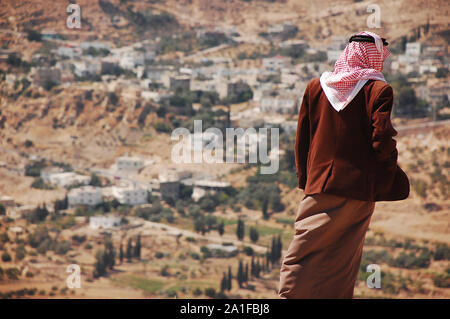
<point>358,63</point>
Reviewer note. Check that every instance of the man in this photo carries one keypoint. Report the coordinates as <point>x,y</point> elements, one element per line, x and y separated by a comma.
<point>346,160</point>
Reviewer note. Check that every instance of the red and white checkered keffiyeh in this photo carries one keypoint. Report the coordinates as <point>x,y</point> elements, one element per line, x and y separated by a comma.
<point>359,62</point>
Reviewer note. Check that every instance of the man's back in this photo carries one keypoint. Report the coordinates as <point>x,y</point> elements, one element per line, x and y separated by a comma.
<point>351,152</point>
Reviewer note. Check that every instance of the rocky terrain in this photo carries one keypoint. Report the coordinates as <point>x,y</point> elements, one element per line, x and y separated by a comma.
<point>89,125</point>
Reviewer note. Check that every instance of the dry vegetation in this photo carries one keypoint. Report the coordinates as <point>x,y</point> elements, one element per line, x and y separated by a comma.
<point>409,239</point>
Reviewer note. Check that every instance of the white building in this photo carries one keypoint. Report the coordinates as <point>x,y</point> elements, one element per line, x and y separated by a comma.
<point>104,222</point>
<point>69,52</point>
<point>125,163</point>
<point>413,50</point>
<point>44,75</point>
<point>86,195</point>
<point>87,67</point>
<point>130,195</point>
<point>151,95</point>
<point>66,179</point>
<point>278,104</point>
<point>6,200</point>
<point>276,63</point>
<point>95,45</point>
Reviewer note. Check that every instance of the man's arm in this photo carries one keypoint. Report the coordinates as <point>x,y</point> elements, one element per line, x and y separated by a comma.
<point>383,144</point>
<point>302,141</point>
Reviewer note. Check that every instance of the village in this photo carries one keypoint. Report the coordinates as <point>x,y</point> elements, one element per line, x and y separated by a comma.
<point>86,126</point>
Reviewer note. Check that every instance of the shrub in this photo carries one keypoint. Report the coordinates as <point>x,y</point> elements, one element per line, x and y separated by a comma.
<point>206,252</point>
<point>374,257</point>
<point>420,187</point>
<point>411,260</point>
<point>6,257</point>
<point>38,214</point>
<point>12,273</point>
<point>162,127</point>
<point>195,256</point>
<point>248,251</point>
<point>180,208</point>
<point>4,237</point>
<point>63,247</point>
<point>34,169</point>
<point>165,271</point>
<point>442,280</point>
<point>79,239</point>
<point>210,292</point>
<point>254,235</point>
<point>197,292</point>
<point>28,143</point>
<point>33,35</point>
<point>20,252</point>
<point>442,252</point>
<point>159,255</point>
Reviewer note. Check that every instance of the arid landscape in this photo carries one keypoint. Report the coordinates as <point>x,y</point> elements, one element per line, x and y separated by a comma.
<point>70,102</point>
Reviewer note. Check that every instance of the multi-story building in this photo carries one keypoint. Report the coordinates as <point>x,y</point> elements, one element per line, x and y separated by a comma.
<point>130,195</point>
<point>104,222</point>
<point>85,195</point>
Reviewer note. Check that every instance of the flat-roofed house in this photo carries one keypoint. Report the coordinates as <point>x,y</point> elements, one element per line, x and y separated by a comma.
<point>104,222</point>
<point>86,195</point>
<point>130,195</point>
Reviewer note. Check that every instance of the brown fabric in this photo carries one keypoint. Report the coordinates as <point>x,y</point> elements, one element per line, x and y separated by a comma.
<point>350,153</point>
<point>323,259</point>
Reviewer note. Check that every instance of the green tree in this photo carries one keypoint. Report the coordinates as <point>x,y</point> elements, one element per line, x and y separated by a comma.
<point>33,35</point>
<point>38,214</point>
<point>137,248</point>
<point>442,73</point>
<point>254,234</point>
<point>257,268</point>
<point>121,253</point>
<point>100,266</point>
<point>240,274</point>
<point>246,273</point>
<point>240,230</point>
<point>200,224</point>
<point>265,205</point>
<point>223,283</point>
<point>95,180</point>
<point>229,279</point>
<point>252,267</point>
<point>109,254</point>
<point>129,252</point>
<point>221,228</point>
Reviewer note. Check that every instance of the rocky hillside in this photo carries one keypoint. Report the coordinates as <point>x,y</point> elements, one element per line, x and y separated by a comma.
<point>126,21</point>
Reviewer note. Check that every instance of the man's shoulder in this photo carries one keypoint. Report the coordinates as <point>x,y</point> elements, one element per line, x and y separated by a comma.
<point>376,87</point>
<point>313,83</point>
<point>313,86</point>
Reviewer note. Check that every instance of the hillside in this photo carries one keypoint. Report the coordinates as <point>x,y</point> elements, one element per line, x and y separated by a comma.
<point>87,122</point>
<point>316,21</point>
